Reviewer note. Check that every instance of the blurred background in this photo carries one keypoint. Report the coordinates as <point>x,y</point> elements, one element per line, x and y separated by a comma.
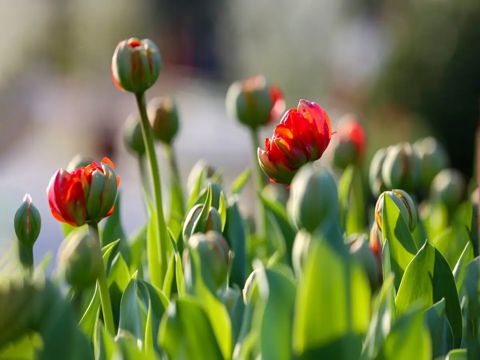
<point>406,68</point>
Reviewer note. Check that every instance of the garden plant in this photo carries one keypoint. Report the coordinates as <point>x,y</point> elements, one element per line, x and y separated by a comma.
<point>343,260</point>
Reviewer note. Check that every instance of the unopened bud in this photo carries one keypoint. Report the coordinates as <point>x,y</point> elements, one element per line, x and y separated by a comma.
<point>350,146</point>
<point>132,135</point>
<point>401,168</point>
<point>193,223</point>
<point>361,251</point>
<point>163,115</point>
<point>433,159</point>
<point>27,222</point>
<point>448,187</point>
<point>405,204</point>
<point>375,173</point>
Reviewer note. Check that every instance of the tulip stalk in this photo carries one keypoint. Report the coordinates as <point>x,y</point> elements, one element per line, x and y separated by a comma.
<point>25,254</point>
<point>260,182</point>
<point>155,274</point>
<point>103,285</point>
<point>176,185</point>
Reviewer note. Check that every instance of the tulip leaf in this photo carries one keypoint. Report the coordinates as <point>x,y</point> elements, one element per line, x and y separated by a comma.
<point>185,331</point>
<point>408,339</point>
<point>89,318</point>
<point>435,219</point>
<point>439,328</point>
<point>104,345</point>
<point>428,279</point>
<point>235,236</point>
<point>461,267</point>
<point>471,308</point>
<point>240,181</point>
<point>345,309</point>
<point>402,247</point>
<point>457,354</point>
<point>352,200</point>
<point>153,248</point>
<point>451,244</point>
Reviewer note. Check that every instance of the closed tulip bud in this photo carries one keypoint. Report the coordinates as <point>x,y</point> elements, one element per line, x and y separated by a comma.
<point>401,168</point>
<point>250,290</point>
<point>135,65</point>
<point>313,198</point>
<point>433,159</point>
<point>300,250</point>
<point>376,241</point>
<point>361,251</point>
<point>214,255</point>
<point>375,173</point>
<point>132,136</point>
<point>163,115</point>
<point>79,259</point>
<point>448,187</point>
<point>350,147</point>
<point>405,204</point>
<point>27,222</point>
<point>253,102</point>
<point>193,223</point>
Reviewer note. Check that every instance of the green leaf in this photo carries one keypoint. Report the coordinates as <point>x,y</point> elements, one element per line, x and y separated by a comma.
<point>197,188</point>
<point>461,267</point>
<point>408,339</point>
<point>186,332</point>
<point>457,354</point>
<point>235,236</point>
<point>90,316</point>
<point>137,249</point>
<point>439,328</point>
<point>153,248</point>
<point>104,345</point>
<point>222,209</point>
<point>428,279</point>
<point>24,348</point>
<point>435,219</point>
<point>240,182</point>
<point>334,291</point>
<point>402,247</point>
<point>352,200</point>
<point>471,308</point>
<point>451,244</point>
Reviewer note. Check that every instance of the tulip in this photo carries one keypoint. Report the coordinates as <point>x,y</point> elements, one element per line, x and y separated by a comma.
<point>361,251</point>
<point>163,115</point>
<point>132,136</point>
<point>433,159</point>
<point>302,136</point>
<point>254,102</point>
<point>350,148</point>
<point>135,65</point>
<point>405,204</point>
<point>448,187</point>
<point>85,195</point>
<point>401,168</point>
<point>27,223</point>
<point>313,198</point>
<point>375,173</point>
<point>192,225</point>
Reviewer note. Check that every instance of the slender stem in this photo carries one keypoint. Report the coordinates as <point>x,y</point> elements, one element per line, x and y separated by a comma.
<point>157,275</point>
<point>175,182</point>
<point>25,253</point>
<point>103,285</point>
<point>260,183</point>
<point>143,174</point>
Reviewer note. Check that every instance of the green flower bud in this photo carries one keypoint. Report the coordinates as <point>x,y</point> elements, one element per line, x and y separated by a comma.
<point>250,290</point>
<point>300,250</point>
<point>27,222</point>
<point>405,204</point>
<point>214,255</point>
<point>375,173</point>
<point>433,159</point>
<point>448,187</point>
<point>313,198</point>
<point>132,135</point>
<point>401,168</point>
<point>135,65</point>
<point>163,115</point>
<point>194,225</point>
<point>79,259</point>
<point>361,251</point>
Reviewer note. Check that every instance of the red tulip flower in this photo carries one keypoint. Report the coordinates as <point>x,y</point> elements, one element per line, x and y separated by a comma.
<point>302,136</point>
<point>85,195</point>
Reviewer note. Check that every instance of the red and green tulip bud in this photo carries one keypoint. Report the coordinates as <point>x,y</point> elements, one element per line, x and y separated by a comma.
<point>132,136</point>
<point>350,147</point>
<point>313,198</point>
<point>301,137</point>
<point>433,159</point>
<point>375,241</point>
<point>214,257</point>
<point>79,259</point>
<point>85,195</point>
<point>254,102</point>
<point>27,222</point>
<point>163,115</point>
<point>401,168</point>
<point>196,223</point>
<point>375,173</point>
<point>361,251</point>
<point>405,204</point>
<point>135,65</point>
<point>448,187</point>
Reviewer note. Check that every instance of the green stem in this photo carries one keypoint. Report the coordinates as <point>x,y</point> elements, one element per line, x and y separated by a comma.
<point>25,254</point>
<point>103,285</point>
<point>143,174</point>
<point>176,185</point>
<point>260,183</point>
<point>156,274</point>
